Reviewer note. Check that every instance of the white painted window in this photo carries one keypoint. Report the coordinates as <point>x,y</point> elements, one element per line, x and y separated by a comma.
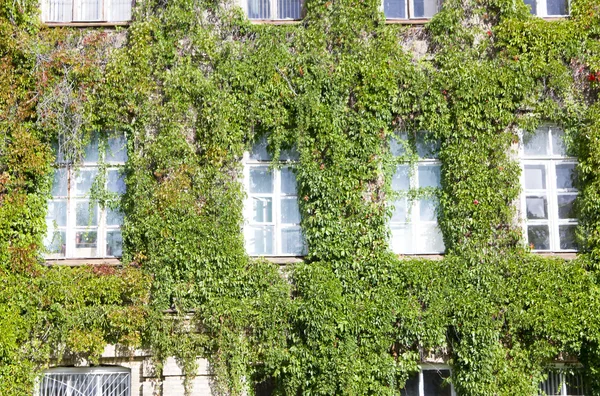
<point>410,9</point>
<point>548,8</point>
<point>77,226</point>
<point>549,193</point>
<point>564,382</point>
<point>271,211</point>
<point>85,381</point>
<point>86,10</point>
<point>273,9</point>
<point>432,380</point>
<point>414,226</point>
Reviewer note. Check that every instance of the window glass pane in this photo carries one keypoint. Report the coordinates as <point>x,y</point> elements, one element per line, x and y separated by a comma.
<point>261,180</point>
<point>566,233</point>
<point>290,214</point>
<point>288,181</point>
<point>120,10</point>
<point>292,241</point>
<point>116,181</point>
<point>424,8</point>
<point>86,243</point>
<point>576,385</point>
<point>556,7</point>
<point>262,210</point>
<point>398,142</point>
<point>538,237</point>
<point>55,242</point>
<point>535,177</point>
<point>259,149</point>
<point>566,207</point>
<point>400,213</point>
<point>430,239</point>
<point>395,9</point>
<point>114,217</point>
<point>427,207</point>
<point>289,9</point>
<point>401,239</point>
<point>60,10</point>
<point>116,150</point>
<point>114,243</point>
<point>401,179</point>
<point>57,212</point>
<point>259,240</point>
<point>537,207</point>
<point>427,148</point>
<point>429,176</point>
<point>60,182</point>
<point>91,150</point>
<point>565,175</point>
<point>536,143</point>
<point>411,388</point>
<point>86,215</point>
<point>290,154</point>
<point>552,385</point>
<point>84,180</point>
<point>558,144</point>
<point>533,5</point>
<point>434,382</point>
<point>90,10</point>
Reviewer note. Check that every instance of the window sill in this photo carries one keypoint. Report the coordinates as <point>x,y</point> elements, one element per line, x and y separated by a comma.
<point>86,24</point>
<point>562,255</point>
<point>281,260</point>
<point>81,262</point>
<point>276,21</point>
<point>394,21</point>
<point>430,256</point>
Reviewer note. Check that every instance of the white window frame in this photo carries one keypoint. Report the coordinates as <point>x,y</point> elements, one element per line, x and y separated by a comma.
<point>276,197</point>
<point>409,7</point>
<point>97,372</point>
<point>542,7</point>
<point>105,12</point>
<point>274,10</point>
<point>549,161</point>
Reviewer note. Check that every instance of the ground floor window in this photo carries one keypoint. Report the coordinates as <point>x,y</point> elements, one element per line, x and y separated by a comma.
<point>86,381</point>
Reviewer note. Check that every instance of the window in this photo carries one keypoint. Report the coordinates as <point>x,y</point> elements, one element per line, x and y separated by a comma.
<point>88,381</point>
<point>564,382</point>
<point>410,9</point>
<point>274,9</point>
<point>86,10</point>
<point>78,227</point>
<point>432,380</point>
<point>548,8</point>
<point>271,210</point>
<point>548,180</point>
<point>414,227</point>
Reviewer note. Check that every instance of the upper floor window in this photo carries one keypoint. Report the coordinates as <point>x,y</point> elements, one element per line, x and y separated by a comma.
<point>414,227</point>
<point>549,8</point>
<point>410,9</point>
<point>432,380</point>
<point>68,11</point>
<point>549,191</point>
<point>89,381</point>
<point>77,225</point>
<point>274,9</point>
<point>272,215</point>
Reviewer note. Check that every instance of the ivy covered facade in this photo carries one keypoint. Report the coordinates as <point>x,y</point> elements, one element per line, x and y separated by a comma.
<point>437,186</point>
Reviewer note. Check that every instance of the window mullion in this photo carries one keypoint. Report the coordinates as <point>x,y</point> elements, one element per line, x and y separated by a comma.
<point>274,9</point>
<point>552,206</point>
<point>421,383</point>
<point>277,210</point>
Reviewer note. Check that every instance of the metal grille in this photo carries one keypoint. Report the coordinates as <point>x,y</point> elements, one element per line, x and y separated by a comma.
<point>85,384</point>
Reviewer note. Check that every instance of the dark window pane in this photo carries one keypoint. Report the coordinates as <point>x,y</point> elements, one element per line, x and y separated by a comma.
<point>411,388</point>
<point>434,382</point>
<point>532,4</point>
<point>565,206</point>
<point>565,175</point>
<point>567,237</point>
<point>394,9</point>
<point>575,384</point>
<point>539,237</point>
<point>556,7</point>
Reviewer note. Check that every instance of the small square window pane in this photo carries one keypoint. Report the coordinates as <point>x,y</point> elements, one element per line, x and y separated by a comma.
<point>116,150</point>
<point>60,182</point>
<point>538,237</point>
<point>288,181</point>
<point>434,382</point>
<point>398,142</point>
<point>411,388</point>
<point>114,243</point>
<point>558,143</point>
<point>566,207</point>
<point>566,234</point>
<point>556,7</point>
<point>259,149</point>
<point>536,143</point>
<point>84,181</point>
<point>261,180</point>
<point>114,217</point>
<point>535,177</point>
<point>86,243</point>
<point>290,213</point>
<point>533,5</point>
<point>424,8</point>
<point>400,214</point>
<point>401,179</point>
<point>401,241</point>
<point>430,239</point>
<point>291,154</point>
<point>427,209</point>
<point>91,150</point>
<point>565,176</point>
<point>262,210</point>
<point>55,242</point>
<point>86,214</point>
<point>57,212</point>
<point>429,176</point>
<point>116,181</point>
<point>259,240</point>
<point>394,9</point>
<point>292,241</point>
<point>427,147</point>
<point>537,207</point>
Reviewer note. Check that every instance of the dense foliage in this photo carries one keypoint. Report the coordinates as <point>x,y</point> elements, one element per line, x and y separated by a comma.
<point>193,84</point>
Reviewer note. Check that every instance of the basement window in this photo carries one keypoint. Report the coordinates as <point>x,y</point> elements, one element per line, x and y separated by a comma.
<point>549,191</point>
<point>88,381</point>
<point>410,9</point>
<point>432,380</point>
<point>77,225</point>
<point>273,10</point>
<point>271,210</point>
<point>414,227</point>
<point>86,11</point>
<point>549,8</point>
<point>564,382</point>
